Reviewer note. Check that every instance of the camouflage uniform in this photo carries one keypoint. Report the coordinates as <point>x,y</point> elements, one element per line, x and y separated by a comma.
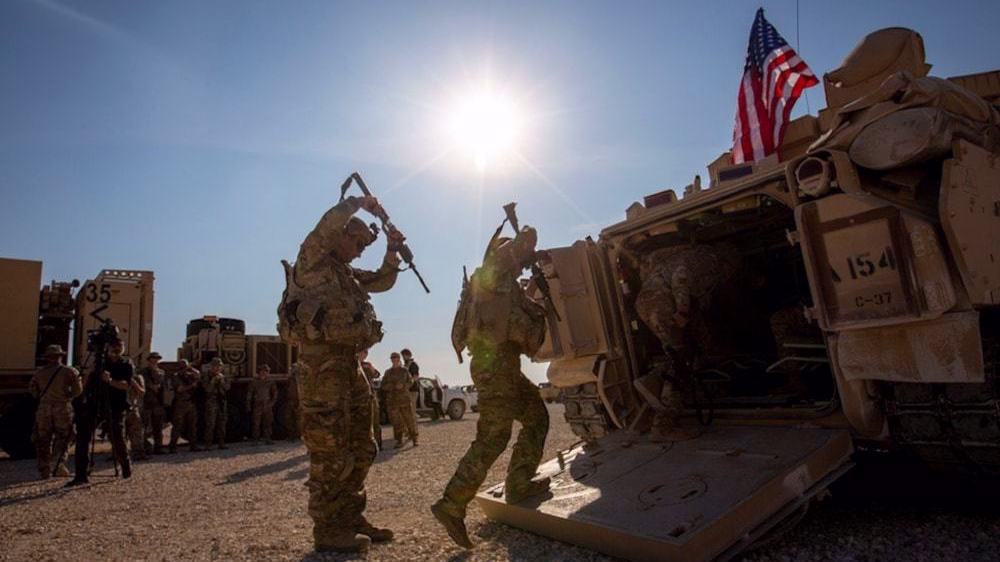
<point>677,285</point>
<point>498,323</point>
<point>326,309</point>
<point>372,374</point>
<point>185,416</point>
<point>153,409</point>
<point>54,416</point>
<point>216,387</point>
<point>681,280</point>
<point>133,419</point>
<point>414,368</point>
<point>396,383</point>
<point>261,397</point>
<point>293,415</point>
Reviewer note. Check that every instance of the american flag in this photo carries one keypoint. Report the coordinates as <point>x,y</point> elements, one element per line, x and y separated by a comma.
<point>773,79</point>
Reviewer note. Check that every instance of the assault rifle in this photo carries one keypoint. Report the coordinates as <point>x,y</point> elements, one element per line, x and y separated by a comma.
<point>537,275</point>
<point>387,226</point>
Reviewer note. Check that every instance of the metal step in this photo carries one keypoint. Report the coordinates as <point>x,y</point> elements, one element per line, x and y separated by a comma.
<point>687,500</point>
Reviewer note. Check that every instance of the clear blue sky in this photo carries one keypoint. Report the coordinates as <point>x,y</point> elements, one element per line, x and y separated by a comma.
<point>203,140</point>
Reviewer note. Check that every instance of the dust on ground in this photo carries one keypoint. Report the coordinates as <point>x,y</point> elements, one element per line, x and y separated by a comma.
<point>249,502</point>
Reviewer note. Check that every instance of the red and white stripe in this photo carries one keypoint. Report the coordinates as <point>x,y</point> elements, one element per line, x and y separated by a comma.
<point>765,102</point>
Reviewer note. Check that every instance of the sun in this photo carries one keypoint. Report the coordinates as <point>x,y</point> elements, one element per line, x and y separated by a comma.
<point>485,125</point>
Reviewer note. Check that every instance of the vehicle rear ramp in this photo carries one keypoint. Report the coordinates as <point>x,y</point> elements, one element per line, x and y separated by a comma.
<point>704,498</point>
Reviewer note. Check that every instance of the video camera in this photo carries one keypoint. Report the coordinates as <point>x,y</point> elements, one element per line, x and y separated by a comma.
<point>99,339</point>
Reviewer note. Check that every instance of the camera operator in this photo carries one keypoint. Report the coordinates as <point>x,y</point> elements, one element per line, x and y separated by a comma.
<point>109,402</point>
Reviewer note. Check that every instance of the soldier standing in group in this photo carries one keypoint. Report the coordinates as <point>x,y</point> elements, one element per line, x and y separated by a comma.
<point>414,370</point>
<point>326,309</point>
<point>185,416</point>
<point>261,397</point>
<point>498,322</point>
<point>133,419</point>
<point>372,374</point>
<point>153,408</point>
<point>216,385</point>
<point>396,383</point>
<point>54,386</point>
<point>293,414</point>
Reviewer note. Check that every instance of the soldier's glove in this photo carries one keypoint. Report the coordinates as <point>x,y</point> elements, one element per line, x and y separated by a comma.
<point>395,241</point>
<point>370,204</point>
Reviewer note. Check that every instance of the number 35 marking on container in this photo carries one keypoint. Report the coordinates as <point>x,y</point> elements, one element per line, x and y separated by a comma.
<point>94,294</point>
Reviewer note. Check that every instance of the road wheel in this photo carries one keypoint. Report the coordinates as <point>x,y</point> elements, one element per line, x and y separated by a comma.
<point>456,409</point>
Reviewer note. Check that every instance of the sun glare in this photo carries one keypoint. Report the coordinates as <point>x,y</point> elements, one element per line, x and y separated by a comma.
<point>485,126</point>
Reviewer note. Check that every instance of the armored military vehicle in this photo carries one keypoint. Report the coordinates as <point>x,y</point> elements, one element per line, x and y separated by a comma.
<point>33,316</point>
<point>209,337</point>
<point>850,302</point>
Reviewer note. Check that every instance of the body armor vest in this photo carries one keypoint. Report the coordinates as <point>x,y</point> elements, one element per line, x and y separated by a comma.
<point>495,311</point>
<point>328,308</point>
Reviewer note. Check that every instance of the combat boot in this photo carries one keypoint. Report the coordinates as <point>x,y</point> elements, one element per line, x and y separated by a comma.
<point>77,481</point>
<point>452,523</point>
<point>374,533</point>
<point>517,494</point>
<point>344,542</point>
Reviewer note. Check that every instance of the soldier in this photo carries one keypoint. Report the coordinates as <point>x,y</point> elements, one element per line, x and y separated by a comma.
<point>414,370</point>
<point>326,310</point>
<point>372,374</point>
<point>292,413</point>
<point>396,383</point>
<point>133,419</point>
<point>54,386</point>
<point>497,322</point>
<point>185,416</point>
<point>678,283</point>
<point>216,385</point>
<point>153,406</point>
<point>261,397</point>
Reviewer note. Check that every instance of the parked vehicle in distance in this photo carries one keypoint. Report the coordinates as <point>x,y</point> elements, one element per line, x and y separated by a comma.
<point>435,400</point>
<point>470,389</point>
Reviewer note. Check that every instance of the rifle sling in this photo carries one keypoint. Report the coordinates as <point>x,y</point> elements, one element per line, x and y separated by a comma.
<point>51,380</point>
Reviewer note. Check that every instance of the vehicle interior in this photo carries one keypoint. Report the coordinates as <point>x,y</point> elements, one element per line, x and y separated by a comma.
<point>431,394</point>
<point>763,354</point>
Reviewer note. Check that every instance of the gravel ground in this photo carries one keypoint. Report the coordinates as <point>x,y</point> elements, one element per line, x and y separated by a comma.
<point>249,503</point>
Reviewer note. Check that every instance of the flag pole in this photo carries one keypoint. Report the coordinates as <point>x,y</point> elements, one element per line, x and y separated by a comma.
<point>798,49</point>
